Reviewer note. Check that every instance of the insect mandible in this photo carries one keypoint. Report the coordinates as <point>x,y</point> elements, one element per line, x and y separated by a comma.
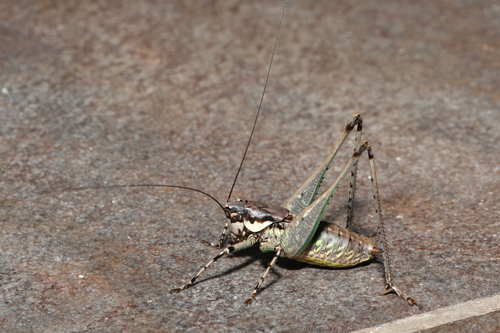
<point>296,231</point>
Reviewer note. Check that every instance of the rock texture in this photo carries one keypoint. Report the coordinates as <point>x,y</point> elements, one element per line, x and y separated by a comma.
<point>97,93</point>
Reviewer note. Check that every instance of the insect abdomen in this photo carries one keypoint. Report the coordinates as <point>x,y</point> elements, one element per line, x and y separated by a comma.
<point>333,246</point>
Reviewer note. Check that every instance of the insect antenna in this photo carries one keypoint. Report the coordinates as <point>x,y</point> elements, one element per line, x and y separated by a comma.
<point>150,185</point>
<point>226,212</point>
<point>260,104</point>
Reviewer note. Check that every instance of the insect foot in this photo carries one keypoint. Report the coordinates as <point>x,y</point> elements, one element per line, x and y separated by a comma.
<point>217,246</point>
<point>391,288</point>
<point>178,290</point>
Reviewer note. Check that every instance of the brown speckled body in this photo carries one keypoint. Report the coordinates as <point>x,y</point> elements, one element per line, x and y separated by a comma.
<point>333,246</point>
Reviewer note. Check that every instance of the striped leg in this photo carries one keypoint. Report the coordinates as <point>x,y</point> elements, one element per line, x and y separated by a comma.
<point>222,238</point>
<point>251,240</point>
<point>257,287</point>
<point>354,171</point>
<point>389,284</point>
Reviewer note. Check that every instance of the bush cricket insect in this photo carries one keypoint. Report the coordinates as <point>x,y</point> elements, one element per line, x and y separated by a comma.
<point>296,230</point>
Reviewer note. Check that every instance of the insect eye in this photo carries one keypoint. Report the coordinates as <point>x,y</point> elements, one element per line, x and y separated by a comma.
<point>235,216</point>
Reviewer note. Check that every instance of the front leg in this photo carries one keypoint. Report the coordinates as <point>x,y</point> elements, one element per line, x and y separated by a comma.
<point>222,238</point>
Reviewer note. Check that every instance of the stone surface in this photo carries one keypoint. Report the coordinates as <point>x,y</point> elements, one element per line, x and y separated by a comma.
<point>96,93</point>
<point>485,323</point>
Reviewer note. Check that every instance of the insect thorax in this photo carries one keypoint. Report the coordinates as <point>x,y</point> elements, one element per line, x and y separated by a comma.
<point>250,216</point>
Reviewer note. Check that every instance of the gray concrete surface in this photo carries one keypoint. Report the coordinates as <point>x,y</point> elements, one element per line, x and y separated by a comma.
<point>96,92</point>
<point>479,315</point>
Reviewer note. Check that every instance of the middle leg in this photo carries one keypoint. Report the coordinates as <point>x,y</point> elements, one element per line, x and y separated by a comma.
<point>251,240</point>
<point>257,287</point>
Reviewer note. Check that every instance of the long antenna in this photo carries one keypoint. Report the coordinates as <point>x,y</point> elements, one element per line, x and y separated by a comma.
<point>148,185</point>
<point>260,104</point>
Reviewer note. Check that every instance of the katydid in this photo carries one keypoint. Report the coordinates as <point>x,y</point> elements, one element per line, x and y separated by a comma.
<point>296,231</point>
